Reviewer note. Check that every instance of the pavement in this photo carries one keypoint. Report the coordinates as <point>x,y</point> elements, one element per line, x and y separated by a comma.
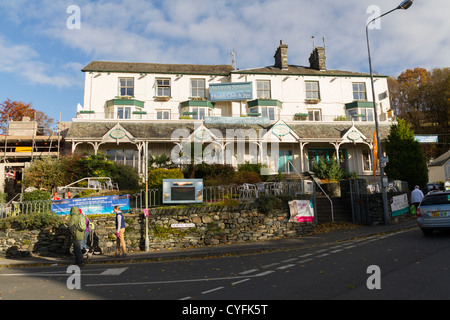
<point>312,240</point>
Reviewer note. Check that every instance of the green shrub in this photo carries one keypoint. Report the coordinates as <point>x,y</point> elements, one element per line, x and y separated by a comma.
<point>328,170</point>
<point>36,195</point>
<point>126,177</point>
<point>36,221</point>
<point>253,167</point>
<point>156,176</point>
<point>268,203</point>
<point>214,174</point>
<point>241,177</point>
<point>3,197</point>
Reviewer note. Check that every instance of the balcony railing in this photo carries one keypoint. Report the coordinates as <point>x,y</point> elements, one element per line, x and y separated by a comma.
<point>152,115</point>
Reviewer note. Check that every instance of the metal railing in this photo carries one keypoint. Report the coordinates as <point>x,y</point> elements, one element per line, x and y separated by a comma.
<point>211,194</point>
<point>16,208</point>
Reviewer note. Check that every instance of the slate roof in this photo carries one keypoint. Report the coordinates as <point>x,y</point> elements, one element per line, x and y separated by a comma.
<point>133,67</point>
<point>300,70</point>
<point>441,160</point>
<point>164,130</point>
<point>158,68</point>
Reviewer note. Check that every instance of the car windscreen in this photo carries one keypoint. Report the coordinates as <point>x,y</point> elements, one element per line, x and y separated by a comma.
<point>435,199</point>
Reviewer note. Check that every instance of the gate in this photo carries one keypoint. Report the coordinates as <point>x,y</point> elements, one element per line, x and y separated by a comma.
<point>359,200</point>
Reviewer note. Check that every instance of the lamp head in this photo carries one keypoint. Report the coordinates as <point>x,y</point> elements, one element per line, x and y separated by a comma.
<point>405,4</point>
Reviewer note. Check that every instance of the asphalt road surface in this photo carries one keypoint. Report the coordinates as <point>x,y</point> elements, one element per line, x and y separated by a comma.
<point>402,265</point>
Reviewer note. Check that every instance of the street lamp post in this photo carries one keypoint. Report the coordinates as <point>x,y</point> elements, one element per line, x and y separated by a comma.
<point>404,5</point>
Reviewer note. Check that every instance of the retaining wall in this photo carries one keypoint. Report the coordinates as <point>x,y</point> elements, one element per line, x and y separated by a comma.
<point>168,228</point>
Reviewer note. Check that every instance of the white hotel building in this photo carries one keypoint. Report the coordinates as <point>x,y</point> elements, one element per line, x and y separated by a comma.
<point>308,112</point>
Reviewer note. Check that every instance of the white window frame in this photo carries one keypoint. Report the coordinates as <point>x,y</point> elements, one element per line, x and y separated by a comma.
<point>127,87</point>
<point>201,113</point>
<point>367,160</point>
<point>198,91</point>
<point>263,89</point>
<point>357,94</point>
<point>368,112</point>
<point>124,111</point>
<point>314,115</point>
<point>160,114</point>
<point>163,86</point>
<point>312,93</point>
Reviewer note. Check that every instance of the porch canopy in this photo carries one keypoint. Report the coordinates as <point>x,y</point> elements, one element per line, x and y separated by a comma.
<point>139,133</point>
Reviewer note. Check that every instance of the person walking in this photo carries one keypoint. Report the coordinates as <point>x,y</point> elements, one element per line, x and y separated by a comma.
<point>77,226</point>
<point>416,196</point>
<point>120,230</point>
<point>84,247</point>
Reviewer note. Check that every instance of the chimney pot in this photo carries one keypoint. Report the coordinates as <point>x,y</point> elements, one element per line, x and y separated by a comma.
<point>280,56</point>
<point>317,59</point>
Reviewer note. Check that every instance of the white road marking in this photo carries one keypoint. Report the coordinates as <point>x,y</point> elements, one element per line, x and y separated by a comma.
<point>285,266</point>
<point>248,271</point>
<point>237,282</point>
<point>113,272</point>
<point>212,290</point>
<point>304,261</point>
<point>270,265</point>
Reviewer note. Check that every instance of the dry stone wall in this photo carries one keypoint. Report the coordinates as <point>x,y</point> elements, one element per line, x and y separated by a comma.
<point>168,228</point>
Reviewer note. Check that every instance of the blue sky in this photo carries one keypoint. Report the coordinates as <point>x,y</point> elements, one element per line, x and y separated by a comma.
<point>41,58</point>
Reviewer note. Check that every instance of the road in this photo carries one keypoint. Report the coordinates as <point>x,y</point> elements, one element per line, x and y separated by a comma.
<point>402,265</point>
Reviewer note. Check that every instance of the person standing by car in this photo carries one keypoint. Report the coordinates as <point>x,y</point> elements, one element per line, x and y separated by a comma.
<point>120,230</point>
<point>416,196</point>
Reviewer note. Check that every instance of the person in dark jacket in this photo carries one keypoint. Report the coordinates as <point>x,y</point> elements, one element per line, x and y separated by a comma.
<point>120,230</point>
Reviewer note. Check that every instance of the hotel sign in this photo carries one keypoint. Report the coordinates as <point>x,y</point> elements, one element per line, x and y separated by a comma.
<point>235,91</point>
<point>237,120</point>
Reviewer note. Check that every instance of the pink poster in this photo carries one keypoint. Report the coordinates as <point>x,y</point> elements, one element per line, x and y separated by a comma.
<point>301,211</point>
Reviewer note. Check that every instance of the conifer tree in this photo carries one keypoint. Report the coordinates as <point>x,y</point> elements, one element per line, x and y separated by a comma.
<point>407,160</point>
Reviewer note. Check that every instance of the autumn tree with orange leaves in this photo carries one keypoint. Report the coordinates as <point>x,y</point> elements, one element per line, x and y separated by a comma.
<point>422,99</point>
<point>16,110</point>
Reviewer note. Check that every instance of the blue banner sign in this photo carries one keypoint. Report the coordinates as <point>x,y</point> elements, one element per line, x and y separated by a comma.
<point>94,205</point>
<point>235,91</point>
<point>426,139</point>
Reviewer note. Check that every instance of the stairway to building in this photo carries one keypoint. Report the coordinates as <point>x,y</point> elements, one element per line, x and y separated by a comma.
<point>342,210</point>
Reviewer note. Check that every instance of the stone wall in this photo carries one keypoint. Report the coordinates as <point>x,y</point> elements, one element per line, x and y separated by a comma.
<point>203,226</point>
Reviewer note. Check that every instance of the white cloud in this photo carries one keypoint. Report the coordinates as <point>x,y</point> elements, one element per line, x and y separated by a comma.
<point>204,31</point>
<point>23,60</point>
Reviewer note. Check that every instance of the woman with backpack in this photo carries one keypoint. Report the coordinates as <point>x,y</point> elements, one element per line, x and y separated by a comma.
<point>77,227</point>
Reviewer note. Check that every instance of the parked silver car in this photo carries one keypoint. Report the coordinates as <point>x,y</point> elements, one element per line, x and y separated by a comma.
<point>434,212</point>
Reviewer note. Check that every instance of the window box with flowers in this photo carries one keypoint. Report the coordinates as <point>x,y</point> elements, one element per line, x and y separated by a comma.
<point>312,101</point>
<point>162,98</point>
<point>300,116</point>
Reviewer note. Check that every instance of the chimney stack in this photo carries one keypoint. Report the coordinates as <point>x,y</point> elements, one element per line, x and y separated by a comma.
<point>317,59</point>
<point>280,56</point>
